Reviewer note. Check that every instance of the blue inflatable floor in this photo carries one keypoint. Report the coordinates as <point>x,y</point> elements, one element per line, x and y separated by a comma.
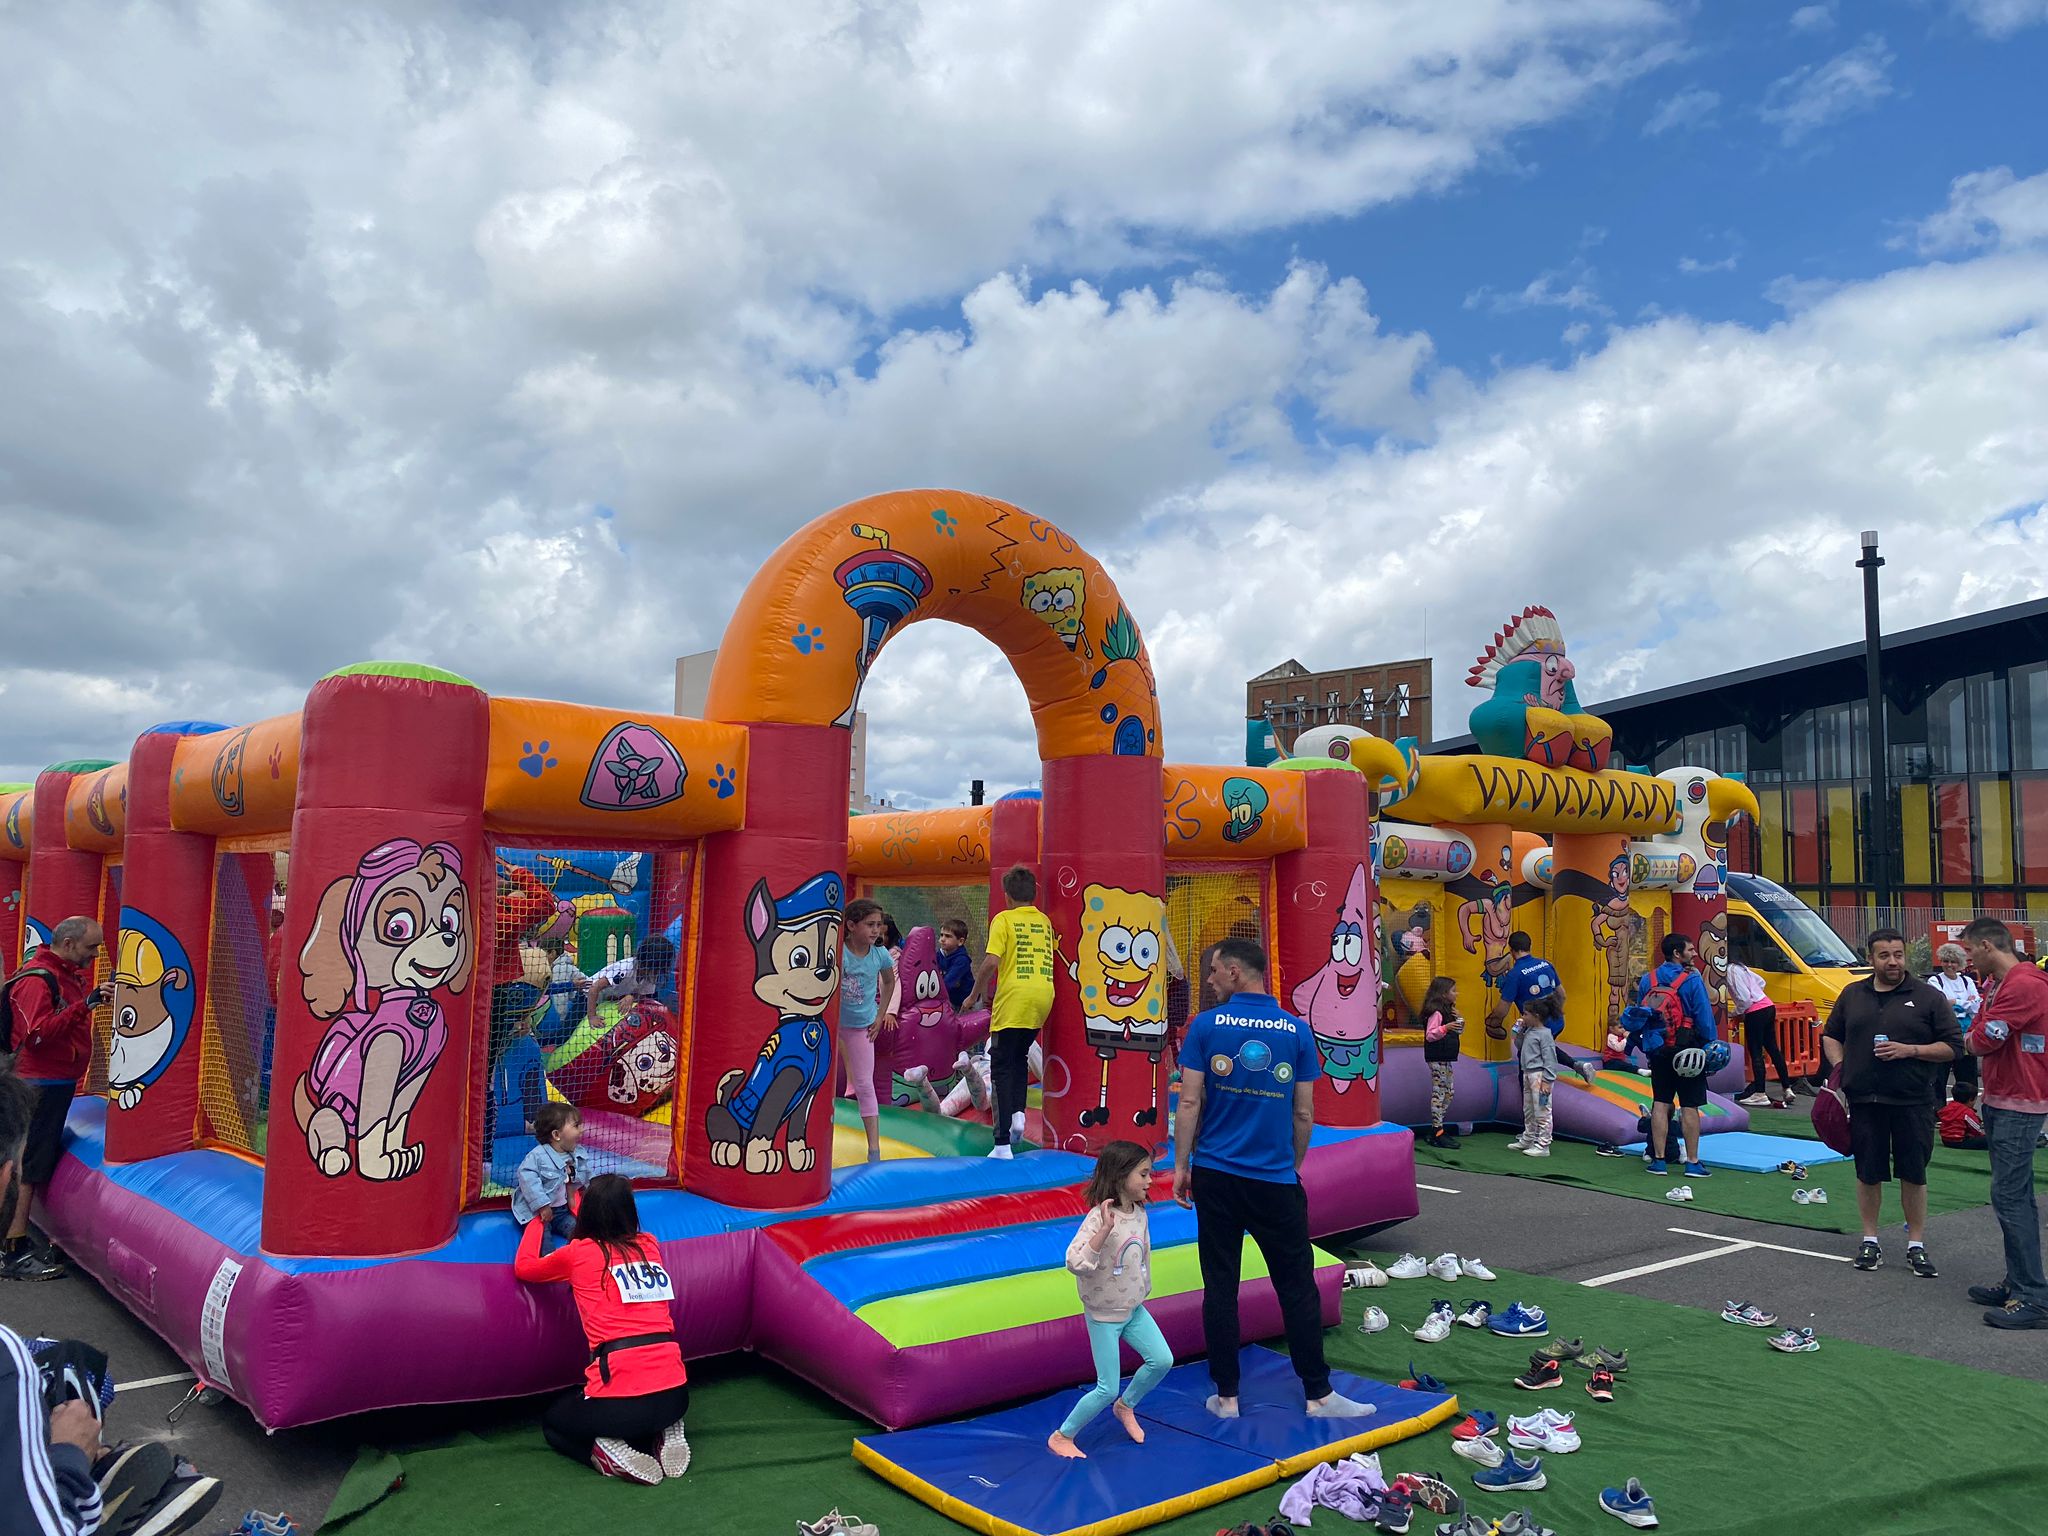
<point>993,1474</point>
<point>1749,1152</point>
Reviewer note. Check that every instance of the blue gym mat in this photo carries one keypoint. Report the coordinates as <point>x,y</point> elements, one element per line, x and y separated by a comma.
<point>1749,1152</point>
<point>994,1474</point>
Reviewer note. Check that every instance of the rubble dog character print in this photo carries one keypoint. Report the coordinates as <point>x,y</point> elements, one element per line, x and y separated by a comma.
<point>796,971</point>
<point>385,939</point>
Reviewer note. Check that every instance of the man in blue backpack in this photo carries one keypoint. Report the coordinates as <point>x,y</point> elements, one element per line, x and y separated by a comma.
<point>1673,1022</point>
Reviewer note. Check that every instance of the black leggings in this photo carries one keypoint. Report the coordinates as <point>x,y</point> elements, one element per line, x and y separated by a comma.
<point>1760,1034</point>
<point>573,1423</point>
<point>1276,1215</point>
<point>1009,1052</point>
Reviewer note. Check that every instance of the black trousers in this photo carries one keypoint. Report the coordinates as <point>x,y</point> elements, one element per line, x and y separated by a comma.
<point>1009,1064</point>
<point>1227,1208</point>
<point>1760,1035</point>
<point>573,1423</point>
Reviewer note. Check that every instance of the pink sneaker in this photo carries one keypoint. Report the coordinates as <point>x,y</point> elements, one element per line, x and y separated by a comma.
<point>615,1458</point>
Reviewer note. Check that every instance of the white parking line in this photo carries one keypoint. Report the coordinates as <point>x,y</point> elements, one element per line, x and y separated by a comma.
<point>1805,1253</point>
<point>155,1381</point>
<point>1651,1269</point>
<point>1438,1189</point>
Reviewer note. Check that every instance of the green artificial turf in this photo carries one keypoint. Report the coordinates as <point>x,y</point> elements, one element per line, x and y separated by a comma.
<point>1727,1435</point>
<point>1956,1181</point>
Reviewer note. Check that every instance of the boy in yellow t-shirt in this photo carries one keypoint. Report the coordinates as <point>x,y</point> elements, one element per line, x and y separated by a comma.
<point>1017,964</point>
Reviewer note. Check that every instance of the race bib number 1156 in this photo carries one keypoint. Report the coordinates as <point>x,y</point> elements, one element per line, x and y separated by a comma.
<point>644,1281</point>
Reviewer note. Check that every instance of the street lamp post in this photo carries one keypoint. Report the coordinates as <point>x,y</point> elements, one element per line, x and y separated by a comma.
<point>1878,849</point>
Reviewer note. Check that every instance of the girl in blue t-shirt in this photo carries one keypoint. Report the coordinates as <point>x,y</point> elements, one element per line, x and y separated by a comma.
<point>867,1006</point>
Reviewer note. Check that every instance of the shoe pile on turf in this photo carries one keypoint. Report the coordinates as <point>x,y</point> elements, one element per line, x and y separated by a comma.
<point>1814,1196</point>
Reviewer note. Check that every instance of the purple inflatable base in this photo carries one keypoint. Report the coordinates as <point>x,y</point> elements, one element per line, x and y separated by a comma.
<point>1490,1093</point>
<point>300,1341</point>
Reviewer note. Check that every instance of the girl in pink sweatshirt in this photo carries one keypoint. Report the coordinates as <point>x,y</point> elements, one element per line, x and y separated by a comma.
<point>1111,1257</point>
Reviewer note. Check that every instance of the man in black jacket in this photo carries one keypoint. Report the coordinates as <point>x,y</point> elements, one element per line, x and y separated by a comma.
<point>1894,1037</point>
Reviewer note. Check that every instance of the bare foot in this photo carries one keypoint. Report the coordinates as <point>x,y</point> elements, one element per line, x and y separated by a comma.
<point>1060,1445</point>
<point>1128,1417</point>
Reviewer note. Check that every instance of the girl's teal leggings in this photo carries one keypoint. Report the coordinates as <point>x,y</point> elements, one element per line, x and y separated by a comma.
<point>1143,1335</point>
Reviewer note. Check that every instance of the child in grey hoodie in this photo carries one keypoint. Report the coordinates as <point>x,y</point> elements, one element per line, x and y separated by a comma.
<point>1111,1257</point>
<point>1536,1056</point>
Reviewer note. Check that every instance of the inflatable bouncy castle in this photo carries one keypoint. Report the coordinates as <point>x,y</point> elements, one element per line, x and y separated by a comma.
<point>354,947</point>
<point>1537,832</point>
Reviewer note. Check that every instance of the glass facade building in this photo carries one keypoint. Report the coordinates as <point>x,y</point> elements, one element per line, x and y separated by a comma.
<point>1967,735</point>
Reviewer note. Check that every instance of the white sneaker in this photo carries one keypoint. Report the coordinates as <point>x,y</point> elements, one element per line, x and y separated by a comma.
<point>1364,1277</point>
<point>1368,1462</point>
<point>1001,1154</point>
<point>1483,1449</point>
<point>1810,1196</point>
<point>1519,1144</point>
<point>1407,1267</point>
<point>1755,1100</point>
<point>1535,1151</point>
<point>1017,1126</point>
<point>1548,1416</point>
<point>1435,1328</point>
<point>1542,1435</point>
<point>1681,1194</point>
<point>1475,1270</point>
<point>1445,1267</point>
<point>1375,1321</point>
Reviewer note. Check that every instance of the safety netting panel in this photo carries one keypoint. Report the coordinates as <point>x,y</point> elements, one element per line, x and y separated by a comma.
<point>586,981</point>
<point>932,906</point>
<point>1204,906</point>
<point>102,973</point>
<point>239,1024</point>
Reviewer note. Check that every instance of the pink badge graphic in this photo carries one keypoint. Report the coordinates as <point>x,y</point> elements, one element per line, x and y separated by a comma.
<point>633,769</point>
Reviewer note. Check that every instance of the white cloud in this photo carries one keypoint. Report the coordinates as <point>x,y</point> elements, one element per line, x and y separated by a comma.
<point>1815,95</point>
<point>1700,266</point>
<point>515,344</point>
<point>1693,107</point>
<point>2001,18</point>
<point>1575,285</point>
<point>1986,208</point>
<point>1813,18</point>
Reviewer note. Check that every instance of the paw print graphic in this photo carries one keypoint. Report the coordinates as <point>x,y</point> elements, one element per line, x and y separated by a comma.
<point>722,781</point>
<point>536,761</point>
<point>277,762</point>
<point>808,638</point>
<point>946,522</point>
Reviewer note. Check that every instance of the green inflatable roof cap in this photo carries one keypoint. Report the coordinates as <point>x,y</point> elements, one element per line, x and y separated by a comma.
<point>418,671</point>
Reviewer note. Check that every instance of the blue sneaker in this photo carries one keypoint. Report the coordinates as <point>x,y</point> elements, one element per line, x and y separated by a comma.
<point>1698,1171</point>
<point>1655,1165</point>
<point>1515,1475</point>
<point>1519,1322</point>
<point>1630,1504</point>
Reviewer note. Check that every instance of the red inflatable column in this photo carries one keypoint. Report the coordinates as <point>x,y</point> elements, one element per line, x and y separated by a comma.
<point>1103,884</point>
<point>160,970</point>
<point>1012,840</point>
<point>62,881</point>
<point>385,968</point>
<point>13,869</point>
<point>757,1119</point>
<point>1328,968</point>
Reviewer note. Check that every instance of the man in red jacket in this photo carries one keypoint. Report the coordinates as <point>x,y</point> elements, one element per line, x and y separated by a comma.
<point>2010,1035</point>
<point>53,997</point>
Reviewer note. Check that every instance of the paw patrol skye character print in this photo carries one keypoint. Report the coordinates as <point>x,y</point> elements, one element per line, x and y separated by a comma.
<point>1123,985</point>
<point>796,971</point>
<point>1341,1001</point>
<point>384,941</point>
<point>152,1006</point>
